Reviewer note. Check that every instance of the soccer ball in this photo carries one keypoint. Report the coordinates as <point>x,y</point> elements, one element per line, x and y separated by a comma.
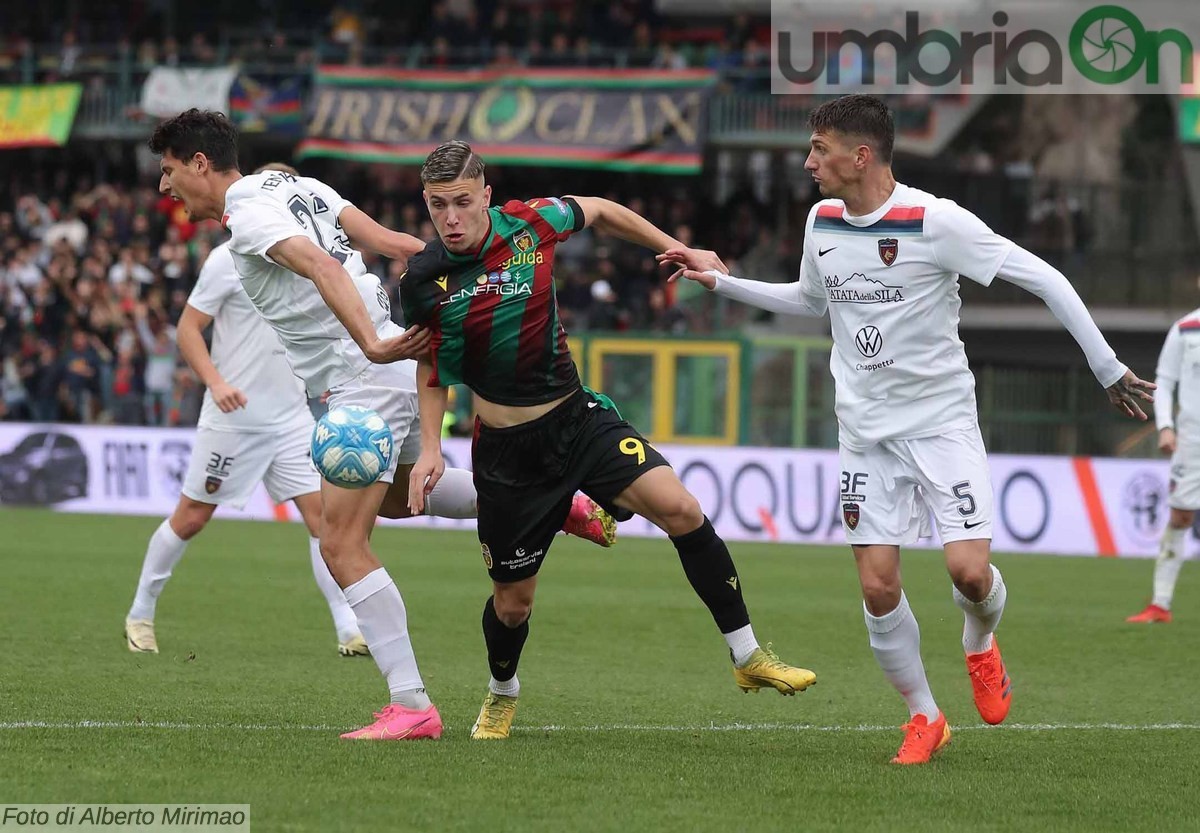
<point>352,446</point>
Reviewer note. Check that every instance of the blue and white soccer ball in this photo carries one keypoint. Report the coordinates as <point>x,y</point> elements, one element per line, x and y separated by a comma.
<point>352,446</point>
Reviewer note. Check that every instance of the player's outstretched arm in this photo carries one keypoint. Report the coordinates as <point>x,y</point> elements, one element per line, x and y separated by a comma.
<point>305,258</point>
<point>189,335</point>
<point>367,235</point>
<point>706,269</point>
<point>428,470</point>
<point>1028,271</point>
<point>615,219</point>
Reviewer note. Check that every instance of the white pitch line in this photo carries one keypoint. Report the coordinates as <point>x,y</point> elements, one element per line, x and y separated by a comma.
<point>614,727</point>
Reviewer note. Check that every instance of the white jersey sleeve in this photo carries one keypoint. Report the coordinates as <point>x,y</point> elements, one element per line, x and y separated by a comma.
<point>217,281</point>
<point>1035,275</point>
<point>804,297</point>
<point>963,244</point>
<point>1167,376</point>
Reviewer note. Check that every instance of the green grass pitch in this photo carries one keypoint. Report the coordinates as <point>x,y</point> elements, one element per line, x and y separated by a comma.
<point>629,718</point>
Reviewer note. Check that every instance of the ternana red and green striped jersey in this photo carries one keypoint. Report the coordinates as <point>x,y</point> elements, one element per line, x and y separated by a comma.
<point>494,313</point>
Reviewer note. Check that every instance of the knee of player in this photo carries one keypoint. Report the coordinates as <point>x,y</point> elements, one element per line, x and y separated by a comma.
<point>187,523</point>
<point>973,579</point>
<point>881,593</point>
<point>513,613</point>
<point>335,547</point>
<point>1181,518</point>
<point>682,514</point>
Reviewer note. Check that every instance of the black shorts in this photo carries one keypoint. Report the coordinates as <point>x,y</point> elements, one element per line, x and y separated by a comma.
<point>527,476</point>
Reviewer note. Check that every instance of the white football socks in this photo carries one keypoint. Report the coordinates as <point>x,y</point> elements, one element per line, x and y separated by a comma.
<point>980,619</point>
<point>383,621</point>
<point>896,643</point>
<point>454,496</point>
<point>741,644</point>
<point>344,620</point>
<point>162,554</point>
<point>1168,565</point>
<point>509,688</point>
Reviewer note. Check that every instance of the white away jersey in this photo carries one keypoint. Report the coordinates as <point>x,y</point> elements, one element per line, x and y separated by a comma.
<point>890,281</point>
<point>1178,379</point>
<point>264,209</point>
<point>247,353</point>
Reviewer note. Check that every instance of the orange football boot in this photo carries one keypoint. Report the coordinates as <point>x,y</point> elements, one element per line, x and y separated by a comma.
<point>992,687</point>
<point>922,739</point>
<point>1152,613</point>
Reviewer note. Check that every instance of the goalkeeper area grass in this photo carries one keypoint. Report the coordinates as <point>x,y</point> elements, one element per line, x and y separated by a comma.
<point>629,719</point>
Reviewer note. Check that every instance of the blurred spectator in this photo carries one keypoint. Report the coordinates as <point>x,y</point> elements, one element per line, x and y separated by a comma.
<point>128,269</point>
<point>158,342</point>
<point>42,382</point>
<point>81,375</point>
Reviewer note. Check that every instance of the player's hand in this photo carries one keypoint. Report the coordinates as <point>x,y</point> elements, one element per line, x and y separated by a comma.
<point>227,397</point>
<point>410,344</point>
<point>1127,391</point>
<point>425,474</point>
<point>693,260</point>
<point>708,280</point>
<point>1166,441</point>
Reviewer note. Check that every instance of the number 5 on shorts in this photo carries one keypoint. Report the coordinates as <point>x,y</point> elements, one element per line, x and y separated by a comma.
<point>962,491</point>
<point>634,448</point>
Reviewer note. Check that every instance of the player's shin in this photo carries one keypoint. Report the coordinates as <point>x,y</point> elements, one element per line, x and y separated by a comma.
<point>504,645</point>
<point>896,643</point>
<point>383,619</point>
<point>162,554</point>
<point>710,570</point>
<point>1168,565</point>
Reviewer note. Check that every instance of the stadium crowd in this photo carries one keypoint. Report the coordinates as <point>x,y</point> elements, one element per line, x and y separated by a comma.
<point>94,277</point>
<point>447,33</point>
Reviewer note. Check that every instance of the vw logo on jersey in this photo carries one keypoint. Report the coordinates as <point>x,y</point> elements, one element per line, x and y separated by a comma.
<point>869,341</point>
<point>889,250</point>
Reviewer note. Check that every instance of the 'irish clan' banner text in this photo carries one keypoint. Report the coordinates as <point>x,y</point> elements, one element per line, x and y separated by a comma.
<point>644,120</point>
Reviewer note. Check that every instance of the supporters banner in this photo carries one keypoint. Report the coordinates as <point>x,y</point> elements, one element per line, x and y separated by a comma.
<point>37,115</point>
<point>267,105</point>
<point>629,120</point>
<point>169,90</point>
<point>1052,505</point>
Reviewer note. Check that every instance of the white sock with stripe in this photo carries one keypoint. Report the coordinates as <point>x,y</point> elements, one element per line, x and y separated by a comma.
<point>896,643</point>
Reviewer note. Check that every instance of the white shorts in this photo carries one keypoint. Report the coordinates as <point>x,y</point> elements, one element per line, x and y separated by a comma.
<point>389,390</point>
<point>890,490</point>
<point>226,466</point>
<point>1185,481</point>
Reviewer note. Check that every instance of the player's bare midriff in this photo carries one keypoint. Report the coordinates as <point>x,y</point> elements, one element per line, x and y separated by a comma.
<point>507,416</point>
